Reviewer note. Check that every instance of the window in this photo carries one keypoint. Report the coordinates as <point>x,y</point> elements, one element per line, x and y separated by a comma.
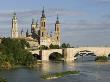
<point>42,34</point>
<point>57,37</point>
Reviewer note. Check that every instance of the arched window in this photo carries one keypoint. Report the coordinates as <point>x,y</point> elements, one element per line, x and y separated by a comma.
<point>57,37</point>
<point>41,23</point>
<point>44,24</point>
<point>42,34</point>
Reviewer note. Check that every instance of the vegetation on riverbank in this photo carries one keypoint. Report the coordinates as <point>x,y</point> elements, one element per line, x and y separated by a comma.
<point>101,59</point>
<point>64,45</point>
<point>58,75</point>
<point>13,52</point>
<point>2,79</point>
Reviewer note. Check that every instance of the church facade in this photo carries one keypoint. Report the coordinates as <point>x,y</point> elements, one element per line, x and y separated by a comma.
<point>39,34</point>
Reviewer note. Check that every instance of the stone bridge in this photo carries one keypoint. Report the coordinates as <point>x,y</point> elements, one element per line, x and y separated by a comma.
<point>69,53</point>
<point>46,53</point>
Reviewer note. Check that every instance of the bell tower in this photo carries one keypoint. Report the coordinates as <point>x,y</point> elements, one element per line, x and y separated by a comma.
<point>14,30</point>
<point>43,24</point>
<point>57,31</point>
<point>43,19</point>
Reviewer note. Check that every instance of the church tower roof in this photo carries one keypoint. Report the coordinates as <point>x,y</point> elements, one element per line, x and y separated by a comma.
<point>14,16</point>
<point>57,21</point>
<point>43,13</point>
<point>33,21</point>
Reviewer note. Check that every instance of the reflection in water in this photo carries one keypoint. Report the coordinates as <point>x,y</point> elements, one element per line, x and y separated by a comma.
<point>90,72</point>
<point>46,67</point>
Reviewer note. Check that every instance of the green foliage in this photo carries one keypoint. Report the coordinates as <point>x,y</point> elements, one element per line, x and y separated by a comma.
<point>101,58</point>
<point>13,51</point>
<point>43,47</point>
<point>55,56</point>
<point>58,75</point>
<point>3,80</point>
<point>64,45</point>
<point>54,46</point>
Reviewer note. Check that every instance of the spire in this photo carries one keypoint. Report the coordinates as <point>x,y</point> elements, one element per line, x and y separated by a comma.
<point>27,30</point>
<point>57,17</point>
<point>37,22</point>
<point>43,13</point>
<point>27,33</point>
<point>57,22</point>
<point>33,22</point>
<point>21,31</point>
<point>14,15</point>
<point>51,34</point>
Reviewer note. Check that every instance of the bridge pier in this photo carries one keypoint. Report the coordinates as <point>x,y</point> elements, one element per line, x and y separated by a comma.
<point>44,56</point>
<point>68,54</point>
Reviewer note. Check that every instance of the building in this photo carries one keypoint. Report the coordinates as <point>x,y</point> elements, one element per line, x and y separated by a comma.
<point>14,29</point>
<point>39,34</point>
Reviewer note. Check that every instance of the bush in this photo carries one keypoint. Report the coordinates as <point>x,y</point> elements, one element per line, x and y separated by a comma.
<point>66,45</point>
<point>43,47</point>
<point>54,46</point>
<point>58,75</point>
<point>101,58</point>
<point>13,52</point>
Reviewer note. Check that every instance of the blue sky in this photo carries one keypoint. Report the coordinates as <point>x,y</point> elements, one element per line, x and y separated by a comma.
<point>84,22</point>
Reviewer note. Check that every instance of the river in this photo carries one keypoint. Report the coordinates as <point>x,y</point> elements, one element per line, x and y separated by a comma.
<point>89,72</point>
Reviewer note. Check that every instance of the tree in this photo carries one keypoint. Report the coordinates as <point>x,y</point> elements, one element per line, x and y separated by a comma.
<point>12,51</point>
<point>2,79</point>
<point>54,46</point>
<point>43,47</point>
<point>64,45</point>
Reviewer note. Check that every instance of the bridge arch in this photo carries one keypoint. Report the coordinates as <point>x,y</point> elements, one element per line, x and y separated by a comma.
<point>85,55</point>
<point>55,56</point>
<point>46,53</point>
<point>37,57</point>
<point>84,52</point>
<point>69,53</point>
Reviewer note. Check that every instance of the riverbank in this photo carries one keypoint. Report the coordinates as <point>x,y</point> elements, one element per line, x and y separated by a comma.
<point>58,75</point>
<point>9,66</point>
<point>101,59</point>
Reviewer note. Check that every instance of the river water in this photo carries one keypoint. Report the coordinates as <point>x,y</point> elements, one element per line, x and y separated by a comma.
<point>89,72</point>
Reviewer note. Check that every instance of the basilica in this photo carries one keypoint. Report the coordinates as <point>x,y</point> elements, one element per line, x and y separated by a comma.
<point>39,34</point>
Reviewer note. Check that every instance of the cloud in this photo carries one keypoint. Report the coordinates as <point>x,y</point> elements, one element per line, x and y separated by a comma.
<point>48,12</point>
<point>26,16</point>
<point>84,25</point>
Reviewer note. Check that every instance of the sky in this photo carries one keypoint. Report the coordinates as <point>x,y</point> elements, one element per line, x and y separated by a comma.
<point>83,22</point>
